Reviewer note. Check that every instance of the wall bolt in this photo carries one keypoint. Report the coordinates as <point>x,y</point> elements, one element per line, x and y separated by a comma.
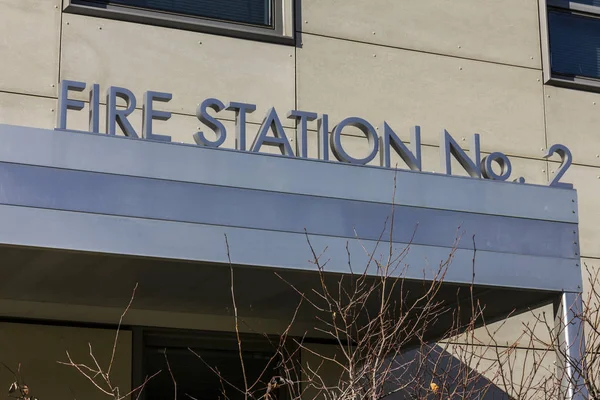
<point>543,170</point>
<point>459,46</point>
<point>374,55</point>
<point>460,68</point>
<point>52,85</point>
<point>199,42</point>
<point>373,33</point>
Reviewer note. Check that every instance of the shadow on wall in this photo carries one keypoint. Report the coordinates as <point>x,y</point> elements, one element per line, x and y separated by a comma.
<point>434,373</point>
<point>298,23</point>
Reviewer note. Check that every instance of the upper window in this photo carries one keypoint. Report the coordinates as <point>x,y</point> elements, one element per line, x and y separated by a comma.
<point>252,12</point>
<point>269,20</point>
<point>572,51</point>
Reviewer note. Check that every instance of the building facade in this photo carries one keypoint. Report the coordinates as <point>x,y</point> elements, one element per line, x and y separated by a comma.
<point>520,73</point>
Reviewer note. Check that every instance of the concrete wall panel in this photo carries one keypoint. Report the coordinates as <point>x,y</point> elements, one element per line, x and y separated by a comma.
<point>586,181</point>
<point>524,370</point>
<point>534,171</point>
<point>513,331</point>
<point>500,31</point>
<point>504,104</point>
<point>573,118</point>
<point>33,111</point>
<point>190,65</point>
<point>29,47</point>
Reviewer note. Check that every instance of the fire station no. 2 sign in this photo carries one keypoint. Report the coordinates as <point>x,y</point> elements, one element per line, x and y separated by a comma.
<point>382,140</point>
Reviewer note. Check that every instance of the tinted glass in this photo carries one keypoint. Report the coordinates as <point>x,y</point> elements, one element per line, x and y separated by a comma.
<point>587,2</point>
<point>574,44</point>
<point>195,379</point>
<point>254,12</point>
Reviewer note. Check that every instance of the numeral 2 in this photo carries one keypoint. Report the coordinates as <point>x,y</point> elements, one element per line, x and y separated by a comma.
<point>566,158</point>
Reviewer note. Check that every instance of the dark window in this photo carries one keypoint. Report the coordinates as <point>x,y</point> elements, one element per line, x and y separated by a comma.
<point>268,20</point>
<point>574,44</point>
<point>193,376</point>
<point>574,39</point>
<point>253,12</point>
<point>587,2</point>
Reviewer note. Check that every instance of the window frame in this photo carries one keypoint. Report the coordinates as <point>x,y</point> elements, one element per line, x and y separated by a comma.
<point>550,78</point>
<point>281,32</point>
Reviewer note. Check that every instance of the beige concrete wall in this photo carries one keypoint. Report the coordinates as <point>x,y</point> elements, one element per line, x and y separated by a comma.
<point>474,67</point>
<point>408,88</point>
<point>481,30</point>
<point>522,373</point>
<point>192,66</point>
<point>40,348</point>
<point>30,31</point>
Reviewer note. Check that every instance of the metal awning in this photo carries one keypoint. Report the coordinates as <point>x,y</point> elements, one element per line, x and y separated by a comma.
<point>166,208</point>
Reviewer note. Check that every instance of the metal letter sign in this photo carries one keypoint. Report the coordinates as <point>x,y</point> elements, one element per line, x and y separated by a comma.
<point>279,139</point>
<point>271,133</point>
<point>115,116</point>
<point>391,140</point>
<point>566,159</point>
<point>366,128</point>
<point>213,123</point>
<point>149,113</point>
<point>302,118</point>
